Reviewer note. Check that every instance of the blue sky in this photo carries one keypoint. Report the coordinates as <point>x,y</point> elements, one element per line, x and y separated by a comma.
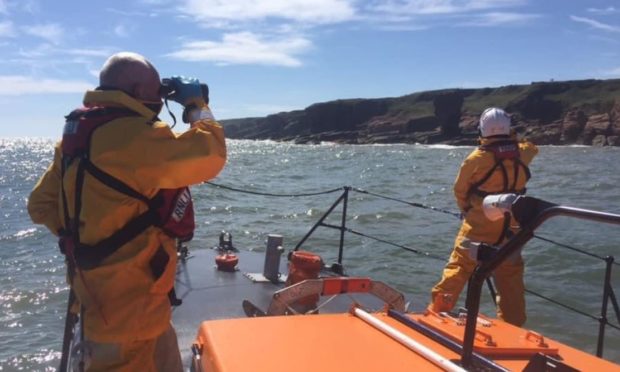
<point>265,56</point>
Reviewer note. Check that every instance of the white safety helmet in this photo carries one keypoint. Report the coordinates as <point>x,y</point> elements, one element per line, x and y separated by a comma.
<point>493,122</point>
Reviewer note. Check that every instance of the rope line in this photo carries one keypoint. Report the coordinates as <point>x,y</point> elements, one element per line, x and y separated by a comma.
<point>276,195</point>
<point>413,204</point>
<point>570,308</point>
<point>572,248</point>
<point>430,255</point>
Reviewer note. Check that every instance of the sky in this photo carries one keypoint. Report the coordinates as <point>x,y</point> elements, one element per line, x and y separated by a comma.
<point>266,56</point>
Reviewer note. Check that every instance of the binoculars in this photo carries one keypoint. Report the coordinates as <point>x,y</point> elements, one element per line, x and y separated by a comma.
<point>167,90</point>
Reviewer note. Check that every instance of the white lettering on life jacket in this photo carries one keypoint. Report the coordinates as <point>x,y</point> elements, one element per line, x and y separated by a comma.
<point>181,205</point>
<point>507,148</point>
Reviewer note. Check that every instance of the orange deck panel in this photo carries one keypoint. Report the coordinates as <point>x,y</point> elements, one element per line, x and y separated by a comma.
<point>327,342</point>
<point>334,342</point>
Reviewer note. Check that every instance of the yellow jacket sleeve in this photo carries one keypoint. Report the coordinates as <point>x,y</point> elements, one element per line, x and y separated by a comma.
<point>155,157</point>
<point>464,181</point>
<point>43,202</point>
<point>527,151</point>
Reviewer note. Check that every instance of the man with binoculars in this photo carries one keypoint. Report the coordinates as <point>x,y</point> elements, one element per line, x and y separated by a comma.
<point>114,172</point>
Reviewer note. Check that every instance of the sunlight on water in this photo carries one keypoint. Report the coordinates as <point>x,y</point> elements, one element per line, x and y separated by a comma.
<point>33,291</point>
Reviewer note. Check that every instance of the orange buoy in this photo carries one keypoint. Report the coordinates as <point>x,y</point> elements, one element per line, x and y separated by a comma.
<point>304,265</point>
<point>226,261</point>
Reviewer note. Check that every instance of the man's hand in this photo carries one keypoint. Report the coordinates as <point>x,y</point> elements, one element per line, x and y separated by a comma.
<point>187,91</point>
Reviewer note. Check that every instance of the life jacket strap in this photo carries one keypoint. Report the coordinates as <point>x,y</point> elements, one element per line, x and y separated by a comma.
<point>171,210</point>
<point>88,257</point>
<point>113,182</point>
<point>502,151</point>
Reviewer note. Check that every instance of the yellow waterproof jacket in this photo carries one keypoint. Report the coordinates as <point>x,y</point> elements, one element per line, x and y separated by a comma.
<point>121,298</point>
<point>475,167</point>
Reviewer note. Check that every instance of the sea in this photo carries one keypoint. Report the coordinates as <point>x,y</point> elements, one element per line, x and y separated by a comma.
<point>405,245</point>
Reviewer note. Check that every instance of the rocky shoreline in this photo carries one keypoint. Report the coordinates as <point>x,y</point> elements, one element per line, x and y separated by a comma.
<point>584,112</point>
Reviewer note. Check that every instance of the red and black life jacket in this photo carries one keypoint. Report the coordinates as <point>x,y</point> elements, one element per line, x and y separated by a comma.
<point>170,209</point>
<point>503,151</point>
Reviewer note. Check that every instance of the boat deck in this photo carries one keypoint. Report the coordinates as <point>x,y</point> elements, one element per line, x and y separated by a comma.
<point>208,293</point>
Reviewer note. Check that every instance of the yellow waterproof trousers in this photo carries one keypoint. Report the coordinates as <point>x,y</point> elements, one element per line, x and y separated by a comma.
<point>508,279</point>
<point>160,354</point>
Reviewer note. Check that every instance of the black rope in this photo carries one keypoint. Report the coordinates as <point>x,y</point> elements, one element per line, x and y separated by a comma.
<point>413,204</point>
<point>561,304</point>
<point>417,205</point>
<point>458,215</point>
<point>570,308</point>
<point>572,248</point>
<point>395,245</point>
<point>277,195</point>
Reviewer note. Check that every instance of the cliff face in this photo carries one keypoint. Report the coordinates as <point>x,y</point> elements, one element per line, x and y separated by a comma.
<point>572,112</point>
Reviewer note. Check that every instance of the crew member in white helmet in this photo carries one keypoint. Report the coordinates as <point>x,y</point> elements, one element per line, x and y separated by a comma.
<point>499,165</point>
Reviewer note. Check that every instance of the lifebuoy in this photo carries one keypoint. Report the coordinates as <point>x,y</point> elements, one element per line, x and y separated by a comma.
<point>283,299</point>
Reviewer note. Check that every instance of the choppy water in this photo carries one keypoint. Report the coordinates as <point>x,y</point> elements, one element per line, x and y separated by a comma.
<point>33,291</point>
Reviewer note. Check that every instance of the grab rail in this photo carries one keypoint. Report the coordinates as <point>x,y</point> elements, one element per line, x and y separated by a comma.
<point>530,213</point>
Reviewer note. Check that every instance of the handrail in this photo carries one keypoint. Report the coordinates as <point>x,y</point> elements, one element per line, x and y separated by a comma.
<point>530,213</point>
<point>608,296</point>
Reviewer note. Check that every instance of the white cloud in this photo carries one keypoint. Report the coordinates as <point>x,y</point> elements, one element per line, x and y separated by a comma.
<point>51,31</point>
<point>30,6</point>
<point>418,7</point>
<point>423,14</point>
<point>430,7</point>
<point>41,50</point>
<point>499,18</point>
<point>402,27</point>
<point>15,85</point>
<point>103,52</point>
<point>596,24</point>
<point>604,11</point>
<point>46,50</point>
<point>7,29</point>
<point>155,2</point>
<point>132,13</point>
<point>245,48</point>
<point>121,31</point>
<point>604,39</point>
<point>304,11</point>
